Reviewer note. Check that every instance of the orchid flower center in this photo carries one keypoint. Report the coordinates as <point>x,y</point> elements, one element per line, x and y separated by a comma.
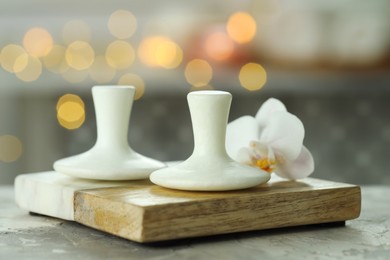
<point>262,157</point>
<point>264,164</point>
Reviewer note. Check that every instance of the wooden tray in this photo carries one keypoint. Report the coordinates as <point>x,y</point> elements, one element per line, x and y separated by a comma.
<point>143,212</point>
<point>146,213</point>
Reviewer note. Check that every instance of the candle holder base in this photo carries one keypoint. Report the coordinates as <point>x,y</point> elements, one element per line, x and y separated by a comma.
<point>101,165</point>
<point>194,175</point>
<point>111,158</point>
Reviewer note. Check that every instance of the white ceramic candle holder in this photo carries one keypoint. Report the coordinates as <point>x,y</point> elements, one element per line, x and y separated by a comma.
<point>110,158</point>
<point>209,168</point>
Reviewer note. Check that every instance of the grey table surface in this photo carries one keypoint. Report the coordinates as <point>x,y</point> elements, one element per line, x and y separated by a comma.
<point>29,236</point>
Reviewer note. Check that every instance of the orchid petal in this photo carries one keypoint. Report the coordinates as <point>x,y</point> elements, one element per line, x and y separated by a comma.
<point>244,155</point>
<point>239,133</point>
<point>284,133</point>
<point>300,168</point>
<point>269,107</point>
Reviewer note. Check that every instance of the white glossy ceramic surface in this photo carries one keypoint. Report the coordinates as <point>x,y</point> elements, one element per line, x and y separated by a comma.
<point>209,168</point>
<point>110,158</point>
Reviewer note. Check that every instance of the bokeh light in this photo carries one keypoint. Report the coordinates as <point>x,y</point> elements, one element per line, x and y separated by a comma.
<point>169,55</point>
<point>79,55</point>
<point>159,51</point>
<point>11,148</point>
<point>135,81</point>
<point>9,55</point>
<point>100,71</point>
<point>241,27</point>
<point>70,111</point>
<point>122,24</point>
<point>120,54</point>
<point>76,30</point>
<point>55,59</point>
<point>38,42</point>
<point>252,76</point>
<point>31,71</point>
<point>69,98</point>
<point>198,72</point>
<point>21,63</point>
<point>219,46</point>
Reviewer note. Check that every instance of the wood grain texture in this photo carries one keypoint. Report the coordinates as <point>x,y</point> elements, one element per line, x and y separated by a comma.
<point>144,212</point>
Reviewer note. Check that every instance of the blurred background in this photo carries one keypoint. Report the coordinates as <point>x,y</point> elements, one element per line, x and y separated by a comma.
<point>328,61</point>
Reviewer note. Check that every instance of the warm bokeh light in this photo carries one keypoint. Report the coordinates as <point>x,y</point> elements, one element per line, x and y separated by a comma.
<point>38,42</point>
<point>219,46</point>
<point>79,55</point>
<point>55,60</point>
<point>21,63</point>
<point>9,55</point>
<point>122,24</point>
<point>76,30</point>
<point>69,98</point>
<point>120,54</point>
<point>11,148</point>
<point>198,72</point>
<point>70,111</point>
<point>100,71</point>
<point>241,27</point>
<point>31,71</point>
<point>135,81</point>
<point>252,76</point>
<point>75,76</point>
<point>159,51</point>
<point>169,55</point>
<point>147,50</point>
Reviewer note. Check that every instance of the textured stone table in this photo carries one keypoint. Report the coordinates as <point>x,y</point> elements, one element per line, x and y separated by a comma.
<point>25,236</point>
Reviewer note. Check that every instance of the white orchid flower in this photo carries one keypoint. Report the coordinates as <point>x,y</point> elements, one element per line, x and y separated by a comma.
<point>271,141</point>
